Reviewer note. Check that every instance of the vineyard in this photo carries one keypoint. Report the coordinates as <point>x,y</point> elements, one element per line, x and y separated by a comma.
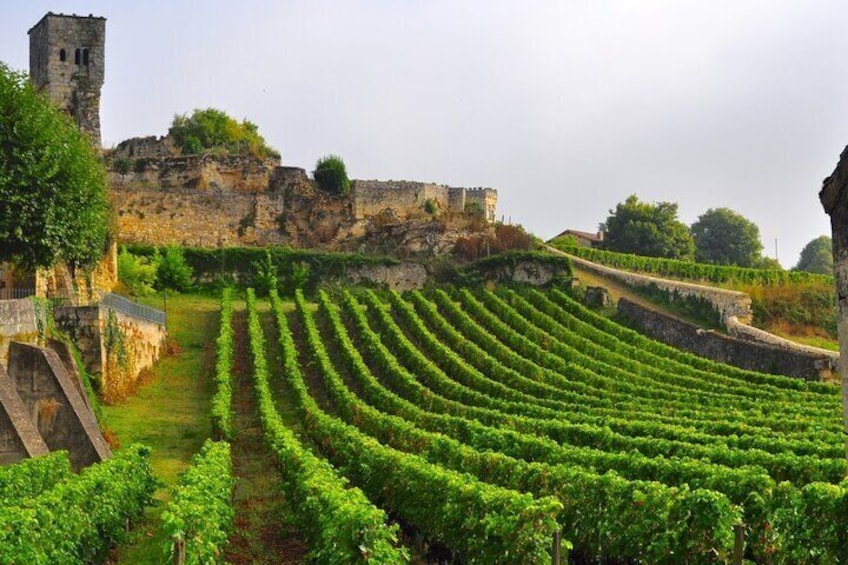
<point>689,270</point>
<point>486,421</point>
<point>477,426</point>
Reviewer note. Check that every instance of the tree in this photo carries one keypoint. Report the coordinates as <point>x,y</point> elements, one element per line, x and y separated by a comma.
<point>724,237</point>
<point>817,256</point>
<point>331,175</point>
<point>647,229</point>
<point>52,183</point>
<point>212,129</point>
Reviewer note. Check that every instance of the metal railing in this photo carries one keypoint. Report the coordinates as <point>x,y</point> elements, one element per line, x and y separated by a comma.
<point>125,306</point>
<point>16,293</point>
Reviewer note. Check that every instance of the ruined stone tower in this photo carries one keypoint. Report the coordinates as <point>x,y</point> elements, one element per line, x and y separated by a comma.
<point>66,56</point>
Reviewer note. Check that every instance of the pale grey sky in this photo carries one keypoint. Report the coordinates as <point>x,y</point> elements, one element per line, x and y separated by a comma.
<point>566,107</point>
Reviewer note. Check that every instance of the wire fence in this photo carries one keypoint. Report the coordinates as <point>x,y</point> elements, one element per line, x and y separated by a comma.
<point>125,306</point>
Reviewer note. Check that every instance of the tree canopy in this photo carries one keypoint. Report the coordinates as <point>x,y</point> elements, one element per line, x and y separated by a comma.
<point>52,183</point>
<point>725,237</point>
<point>648,229</point>
<point>817,256</point>
<point>212,129</point>
<point>331,175</point>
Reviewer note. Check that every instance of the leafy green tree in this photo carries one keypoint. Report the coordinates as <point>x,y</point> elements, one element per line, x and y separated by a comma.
<point>817,256</point>
<point>725,237</point>
<point>138,274</point>
<point>53,200</point>
<point>331,175</point>
<point>212,129</point>
<point>647,229</point>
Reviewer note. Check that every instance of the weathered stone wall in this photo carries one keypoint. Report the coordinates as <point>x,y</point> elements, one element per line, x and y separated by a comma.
<point>115,346</point>
<point>66,60</point>
<point>202,219</point>
<point>82,325</point>
<point>212,201</point>
<point>768,358</point>
<point>727,303</point>
<point>18,322</point>
<point>130,345</point>
<point>404,198</point>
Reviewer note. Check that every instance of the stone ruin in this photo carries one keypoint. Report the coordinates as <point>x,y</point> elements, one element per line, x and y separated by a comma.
<point>834,198</point>
<point>43,408</point>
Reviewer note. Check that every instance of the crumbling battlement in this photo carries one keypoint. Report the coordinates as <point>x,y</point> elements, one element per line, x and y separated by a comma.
<point>407,198</point>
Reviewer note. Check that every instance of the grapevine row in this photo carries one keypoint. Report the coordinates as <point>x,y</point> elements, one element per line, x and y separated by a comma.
<point>343,527</point>
<point>782,466</point>
<point>481,523</point>
<point>688,270</point>
<point>199,519</point>
<point>638,519</point>
<point>77,520</point>
<point>622,422</point>
<point>222,400</point>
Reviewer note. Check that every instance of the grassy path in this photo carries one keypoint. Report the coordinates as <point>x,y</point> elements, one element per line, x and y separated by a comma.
<point>263,533</point>
<point>170,413</point>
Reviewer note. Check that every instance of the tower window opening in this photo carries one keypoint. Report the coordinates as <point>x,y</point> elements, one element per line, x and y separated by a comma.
<point>77,57</point>
<point>62,55</point>
<point>85,57</point>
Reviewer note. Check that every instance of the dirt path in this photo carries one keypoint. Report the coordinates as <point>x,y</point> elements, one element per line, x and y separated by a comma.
<point>264,533</point>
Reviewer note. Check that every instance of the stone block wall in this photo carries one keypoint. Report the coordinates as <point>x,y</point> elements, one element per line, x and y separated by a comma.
<point>202,219</point>
<point>18,322</point>
<point>115,346</point>
<point>371,197</point>
<point>760,357</point>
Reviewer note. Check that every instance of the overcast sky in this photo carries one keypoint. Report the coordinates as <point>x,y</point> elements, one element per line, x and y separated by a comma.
<point>566,107</point>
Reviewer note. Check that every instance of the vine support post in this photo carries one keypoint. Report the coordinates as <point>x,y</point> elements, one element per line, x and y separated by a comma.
<point>738,544</point>
<point>179,551</point>
<point>556,550</point>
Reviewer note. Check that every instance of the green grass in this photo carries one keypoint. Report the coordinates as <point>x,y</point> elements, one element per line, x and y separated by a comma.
<point>170,413</point>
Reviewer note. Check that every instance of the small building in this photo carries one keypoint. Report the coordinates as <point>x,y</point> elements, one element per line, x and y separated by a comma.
<point>584,239</point>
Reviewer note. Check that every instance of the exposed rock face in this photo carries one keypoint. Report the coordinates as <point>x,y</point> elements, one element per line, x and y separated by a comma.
<point>834,198</point>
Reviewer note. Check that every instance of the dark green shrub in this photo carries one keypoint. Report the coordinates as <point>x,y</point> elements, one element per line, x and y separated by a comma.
<point>331,175</point>
<point>172,271</point>
<point>431,207</point>
<point>122,166</point>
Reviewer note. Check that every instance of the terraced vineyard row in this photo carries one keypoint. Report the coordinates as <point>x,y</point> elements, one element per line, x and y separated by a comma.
<point>486,420</point>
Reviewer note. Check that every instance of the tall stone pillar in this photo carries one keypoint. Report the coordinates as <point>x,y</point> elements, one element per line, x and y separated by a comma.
<point>834,198</point>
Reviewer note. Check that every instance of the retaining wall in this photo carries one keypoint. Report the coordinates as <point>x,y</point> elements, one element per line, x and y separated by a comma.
<point>776,357</point>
